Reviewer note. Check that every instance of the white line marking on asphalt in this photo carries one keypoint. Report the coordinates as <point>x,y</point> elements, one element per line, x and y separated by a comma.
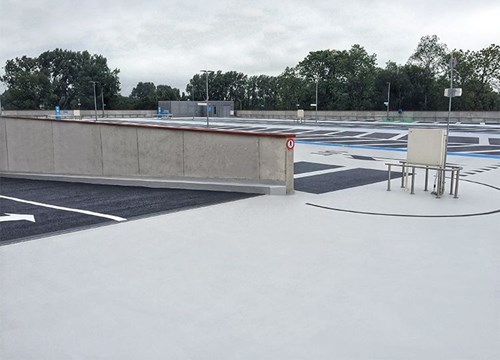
<point>17,217</point>
<point>86,212</point>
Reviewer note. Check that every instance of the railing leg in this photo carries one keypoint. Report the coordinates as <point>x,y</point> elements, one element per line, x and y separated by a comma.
<point>412,180</point>
<point>389,179</point>
<point>426,179</point>
<point>452,181</point>
<point>456,183</point>
<point>403,176</point>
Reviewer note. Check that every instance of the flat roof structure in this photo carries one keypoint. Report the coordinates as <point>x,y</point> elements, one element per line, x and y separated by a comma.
<point>342,269</point>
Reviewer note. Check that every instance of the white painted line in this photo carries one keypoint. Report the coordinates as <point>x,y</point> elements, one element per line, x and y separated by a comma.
<point>86,212</point>
<point>320,172</point>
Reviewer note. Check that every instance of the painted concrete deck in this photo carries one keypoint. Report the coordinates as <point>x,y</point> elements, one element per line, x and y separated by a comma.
<point>272,277</point>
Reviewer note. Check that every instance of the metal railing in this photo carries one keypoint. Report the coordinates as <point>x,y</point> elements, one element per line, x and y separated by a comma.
<point>405,167</point>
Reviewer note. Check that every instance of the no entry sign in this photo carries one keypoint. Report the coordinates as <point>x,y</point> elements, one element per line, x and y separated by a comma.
<point>290,144</point>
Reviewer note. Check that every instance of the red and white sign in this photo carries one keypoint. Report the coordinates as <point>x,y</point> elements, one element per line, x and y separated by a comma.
<point>290,144</point>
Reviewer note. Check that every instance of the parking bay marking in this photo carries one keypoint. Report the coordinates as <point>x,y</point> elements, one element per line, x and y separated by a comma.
<point>86,212</point>
<point>17,217</point>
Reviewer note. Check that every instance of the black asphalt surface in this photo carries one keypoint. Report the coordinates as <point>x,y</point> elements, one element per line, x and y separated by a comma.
<point>334,181</point>
<point>124,201</point>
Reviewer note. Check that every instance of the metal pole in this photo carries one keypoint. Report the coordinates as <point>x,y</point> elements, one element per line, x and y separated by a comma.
<point>95,100</point>
<point>412,180</point>
<point>102,99</point>
<point>388,98</point>
<point>389,178</point>
<point>457,178</point>
<point>450,94</point>
<point>207,99</point>
<point>206,71</point>
<point>317,80</point>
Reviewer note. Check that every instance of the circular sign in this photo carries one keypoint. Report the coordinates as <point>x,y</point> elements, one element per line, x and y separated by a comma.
<point>290,144</point>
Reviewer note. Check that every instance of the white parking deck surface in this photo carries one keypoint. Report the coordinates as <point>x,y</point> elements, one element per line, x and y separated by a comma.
<point>272,277</point>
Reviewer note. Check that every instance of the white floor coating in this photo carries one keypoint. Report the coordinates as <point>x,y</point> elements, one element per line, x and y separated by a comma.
<point>269,278</point>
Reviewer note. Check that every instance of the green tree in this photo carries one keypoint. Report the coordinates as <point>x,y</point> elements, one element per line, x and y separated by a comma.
<point>166,92</point>
<point>144,96</point>
<point>478,74</point>
<point>59,77</point>
<point>292,90</point>
<point>430,57</point>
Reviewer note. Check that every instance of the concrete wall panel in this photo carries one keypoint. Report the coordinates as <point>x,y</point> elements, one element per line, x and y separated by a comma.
<point>3,146</point>
<point>160,152</point>
<point>272,159</point>
<point>77,149</point>
<point>30,146</point>
<point>119,150</point>
<point>91,151</point>
<point>209,155</point>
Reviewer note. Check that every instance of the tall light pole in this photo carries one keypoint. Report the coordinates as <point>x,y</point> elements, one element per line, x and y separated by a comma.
<point>451,93</point>
<point>206,71</point>
<point>102,100</point>
<point>95,99</point>
<point>388,98</point>
<point>317,80</point>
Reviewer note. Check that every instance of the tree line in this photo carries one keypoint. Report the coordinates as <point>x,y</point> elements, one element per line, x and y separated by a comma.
<point>344,79</point>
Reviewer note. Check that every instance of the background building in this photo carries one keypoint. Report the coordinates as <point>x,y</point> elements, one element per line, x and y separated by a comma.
<point>191,108</point>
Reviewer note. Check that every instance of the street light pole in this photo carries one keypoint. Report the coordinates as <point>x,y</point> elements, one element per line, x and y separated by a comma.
<point>95,99</point>
<point>206,71</point>
<point>388,97</point>
<point>102,100</point>
<point>451,93</point>
<point>317,80</point>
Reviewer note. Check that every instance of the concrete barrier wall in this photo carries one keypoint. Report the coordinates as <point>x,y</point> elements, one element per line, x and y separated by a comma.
<point>427,116</point>
<point>93,150</point>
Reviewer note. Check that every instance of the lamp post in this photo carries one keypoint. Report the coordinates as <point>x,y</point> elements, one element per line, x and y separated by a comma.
<point>95,99</point>
<point>102,100</point>
<point>206,71</point>
<point>388,97</point>
<point>451,93</point>
<point>317,80</point>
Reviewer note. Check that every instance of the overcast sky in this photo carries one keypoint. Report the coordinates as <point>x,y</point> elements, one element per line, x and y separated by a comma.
<point>168,41</point>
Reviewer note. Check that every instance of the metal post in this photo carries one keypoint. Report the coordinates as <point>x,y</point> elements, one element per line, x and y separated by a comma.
<point>456,183</point>
<point>389,178</point>
<point>317,80</point>
<point>451,93</point>
<point>426,178</point>
<point>412,180</point>
<point>102,99</point>
<point>388,98</point>
<point>207,101</point>
<point>403,176</point>
<point>206,71</point>
<point>452,181</point>
<point>95,100</point>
